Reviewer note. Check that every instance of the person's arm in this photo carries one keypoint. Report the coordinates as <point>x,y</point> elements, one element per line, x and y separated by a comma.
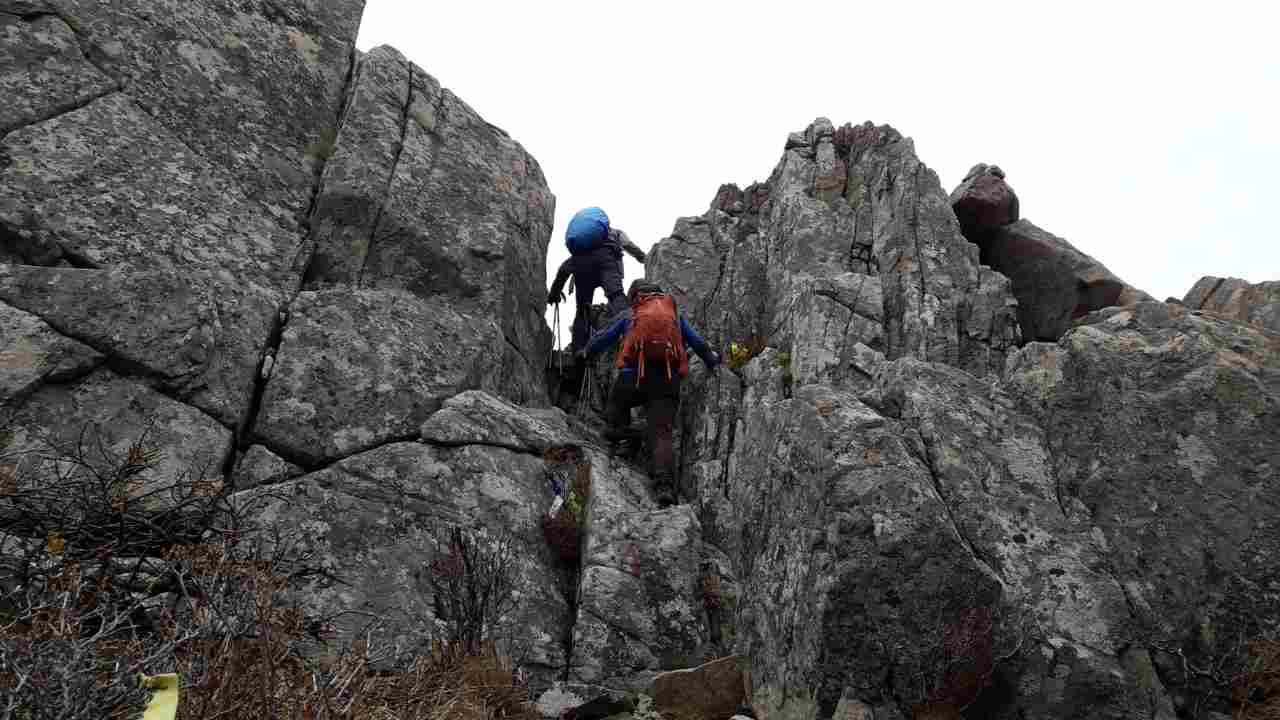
<point>606,338</point>
<point>699,346</point>
<point>631,248</point>
<point>566,268</point>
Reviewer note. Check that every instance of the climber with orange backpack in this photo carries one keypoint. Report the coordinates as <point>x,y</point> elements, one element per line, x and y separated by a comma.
<point>652,361</point>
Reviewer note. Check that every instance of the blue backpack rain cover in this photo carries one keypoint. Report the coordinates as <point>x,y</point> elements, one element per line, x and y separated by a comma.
<point>587,230</point>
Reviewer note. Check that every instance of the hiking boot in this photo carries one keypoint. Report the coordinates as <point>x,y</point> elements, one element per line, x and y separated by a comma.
<point>621,434</point>
<point>664,491</point>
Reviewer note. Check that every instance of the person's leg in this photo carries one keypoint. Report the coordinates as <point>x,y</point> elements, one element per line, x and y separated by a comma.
<point>663,400</point>
<point>617,305</point>
<point>581,326</point>
<point>621,400</point>
<point>620,404</point>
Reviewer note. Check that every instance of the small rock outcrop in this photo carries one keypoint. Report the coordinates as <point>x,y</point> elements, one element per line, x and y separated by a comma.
<point>1055,283</point>
<point>984,201</point>
<point>1237,299</point>
<point>850,231</point>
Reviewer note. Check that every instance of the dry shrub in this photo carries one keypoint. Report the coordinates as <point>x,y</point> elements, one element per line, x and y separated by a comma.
<point>472,581</point>
<point>97,587</point>
<point>1256,693</point>
<point>965,665</point>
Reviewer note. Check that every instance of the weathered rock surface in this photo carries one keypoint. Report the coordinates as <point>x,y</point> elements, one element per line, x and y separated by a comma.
<point>360,368</point>
<point>174,180</point>
<point>640,608</point>
<point>43,73</point>
<point>1054,282</point>
<point>841,203</point>
<point>914,533</point>
<point>199,339</point>
<point>1238,300</point>
<point>1076,540</point>
<point>374,523</point>
<point>984,201</point>
<point>639,603</point>
<point>99,417</point>
<point>322,273</point>
<point>251,87</point>
<point>259,466</point>
<point>851,566</point>
<point>107,185</point>
<point>477,418</point>
<point>32,354</point>
<point>373,520</point>
<point>423,196</point>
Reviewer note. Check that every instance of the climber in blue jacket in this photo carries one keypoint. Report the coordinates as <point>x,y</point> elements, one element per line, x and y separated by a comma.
<point>595,261</point>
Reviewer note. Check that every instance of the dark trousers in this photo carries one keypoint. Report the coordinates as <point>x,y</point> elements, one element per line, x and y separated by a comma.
<point>582,318</point>
<point>660,398</point>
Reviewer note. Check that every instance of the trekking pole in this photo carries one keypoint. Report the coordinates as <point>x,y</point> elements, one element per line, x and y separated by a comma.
<point>558,350</point>
<point>584,393</point>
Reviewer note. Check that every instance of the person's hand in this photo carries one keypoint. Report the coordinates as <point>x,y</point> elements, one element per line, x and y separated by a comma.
<point>581,354</point>
<point>554,297</point>
<point>715,360</point>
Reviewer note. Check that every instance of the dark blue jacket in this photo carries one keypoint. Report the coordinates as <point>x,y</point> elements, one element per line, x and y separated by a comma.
<point>600,267</point>
<point>617,330</point>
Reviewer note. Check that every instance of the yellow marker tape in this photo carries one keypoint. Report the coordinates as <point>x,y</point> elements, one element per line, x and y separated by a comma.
<point>164,703</point>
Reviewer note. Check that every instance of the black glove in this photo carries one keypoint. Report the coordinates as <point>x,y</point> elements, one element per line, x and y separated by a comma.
<point>712,360</point>
<point>554,297</point>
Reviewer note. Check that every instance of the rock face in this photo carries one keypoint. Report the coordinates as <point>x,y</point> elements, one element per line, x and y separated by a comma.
<point>1040,534</point>
<point>162,158</point>
<point>1238,300</point>
<point>1054,282</point>
<point>319,275</point>
<point>430,234</point>
<point>173,184</point>
<point>850,242</point>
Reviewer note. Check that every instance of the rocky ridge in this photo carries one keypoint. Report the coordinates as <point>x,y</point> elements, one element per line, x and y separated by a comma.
<point>1073,517</point>
<point>948,477</point>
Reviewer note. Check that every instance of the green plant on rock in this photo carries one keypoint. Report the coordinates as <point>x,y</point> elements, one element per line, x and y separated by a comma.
<point>742,353</point>
<point>323,148</point>
<point>645,709</point>
<point>563,530</point>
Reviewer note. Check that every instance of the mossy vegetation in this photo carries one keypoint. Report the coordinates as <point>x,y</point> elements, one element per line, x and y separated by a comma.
<point>323,148</point>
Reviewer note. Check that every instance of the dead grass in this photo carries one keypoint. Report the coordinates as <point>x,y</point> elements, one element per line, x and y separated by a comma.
<point>1256,694</point>
<point>96,588</point>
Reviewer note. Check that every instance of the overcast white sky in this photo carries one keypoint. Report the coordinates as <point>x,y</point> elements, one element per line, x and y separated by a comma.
<point>1147,134</point>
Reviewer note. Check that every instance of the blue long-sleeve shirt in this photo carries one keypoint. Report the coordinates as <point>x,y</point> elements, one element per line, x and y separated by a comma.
<point>608,337</point>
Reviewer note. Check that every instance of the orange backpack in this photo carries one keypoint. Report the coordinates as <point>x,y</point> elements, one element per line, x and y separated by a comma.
<point>654,336</point>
